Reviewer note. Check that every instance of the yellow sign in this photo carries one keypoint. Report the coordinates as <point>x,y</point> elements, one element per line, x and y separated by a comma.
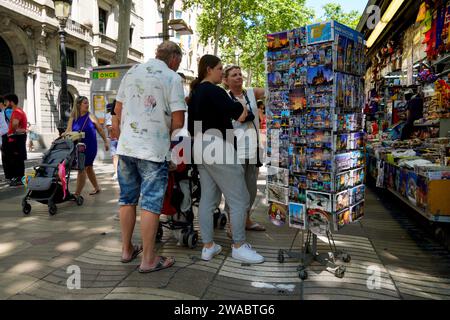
<point>105,75</point>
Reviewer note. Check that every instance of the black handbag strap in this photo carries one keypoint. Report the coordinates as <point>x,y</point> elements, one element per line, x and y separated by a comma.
<point>84,124</point>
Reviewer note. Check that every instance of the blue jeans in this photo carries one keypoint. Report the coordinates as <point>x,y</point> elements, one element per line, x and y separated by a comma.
<point>138,176</point>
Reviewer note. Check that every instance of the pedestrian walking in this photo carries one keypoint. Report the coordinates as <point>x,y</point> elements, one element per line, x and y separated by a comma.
<point>16,150</point>
<point>82,120</point>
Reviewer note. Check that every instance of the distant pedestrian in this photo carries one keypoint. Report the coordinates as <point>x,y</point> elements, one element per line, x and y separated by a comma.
<point>83,121</point>
<point>3,131</point>
<point>150,106</point>
<point>16,150</point>
<point>113,135</point>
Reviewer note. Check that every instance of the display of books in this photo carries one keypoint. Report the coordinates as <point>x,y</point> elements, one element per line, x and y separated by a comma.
<point>315,102</point>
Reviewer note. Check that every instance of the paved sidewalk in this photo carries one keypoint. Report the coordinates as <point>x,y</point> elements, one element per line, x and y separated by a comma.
<point>36,251</point>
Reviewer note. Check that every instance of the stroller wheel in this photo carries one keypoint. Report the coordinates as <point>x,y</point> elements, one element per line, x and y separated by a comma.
<point>52,209</point>
<point>26,208</point>
<point>192,240</point>
<point>79,200</point>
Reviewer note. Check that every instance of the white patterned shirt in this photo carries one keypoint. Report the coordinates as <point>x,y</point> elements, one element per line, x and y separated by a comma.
<point>150,93</point>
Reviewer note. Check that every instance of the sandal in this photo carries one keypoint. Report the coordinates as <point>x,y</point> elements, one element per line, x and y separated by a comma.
<point>160,265</point>
<point>94,192</point>
<point>136,251</point>
<point>255,226</point>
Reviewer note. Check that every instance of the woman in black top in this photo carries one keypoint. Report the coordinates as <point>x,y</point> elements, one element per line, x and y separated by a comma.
<point>210,106</point>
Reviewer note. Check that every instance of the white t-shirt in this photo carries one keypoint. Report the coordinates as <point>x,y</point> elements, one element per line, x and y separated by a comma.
<point>246,131</point>
<point>150,93</point>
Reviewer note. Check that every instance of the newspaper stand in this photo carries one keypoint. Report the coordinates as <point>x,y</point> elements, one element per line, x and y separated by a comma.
<point>315,140</point>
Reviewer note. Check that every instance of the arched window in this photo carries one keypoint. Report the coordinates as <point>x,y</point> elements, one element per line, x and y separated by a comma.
<point>6,69</point>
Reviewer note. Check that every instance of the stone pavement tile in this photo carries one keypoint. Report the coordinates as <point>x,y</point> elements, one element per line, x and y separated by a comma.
<point>136,293</point>
<point>51,291</point>
<point>183,280</point>
<point>232,288</point>
<point>12,283</point>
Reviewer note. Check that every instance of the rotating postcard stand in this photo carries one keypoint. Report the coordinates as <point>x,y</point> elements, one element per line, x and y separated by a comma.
<point>315,142</point>
<point>309,254</point>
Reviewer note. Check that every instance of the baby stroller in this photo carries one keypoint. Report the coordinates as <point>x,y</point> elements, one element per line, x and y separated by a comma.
<point>183,192</point>
<point>50,183</point>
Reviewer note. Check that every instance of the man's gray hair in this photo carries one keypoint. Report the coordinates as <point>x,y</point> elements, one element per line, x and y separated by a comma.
<point>166,50</point>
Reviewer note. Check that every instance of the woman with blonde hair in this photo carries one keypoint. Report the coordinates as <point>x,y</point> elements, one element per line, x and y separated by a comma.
<point>82,120</point>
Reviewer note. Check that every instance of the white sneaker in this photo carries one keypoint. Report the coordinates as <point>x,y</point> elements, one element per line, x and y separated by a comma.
<point>246,254</point>
<point>209,253</point>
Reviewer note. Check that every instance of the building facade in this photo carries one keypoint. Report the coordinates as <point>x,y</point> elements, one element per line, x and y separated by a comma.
<point>30,58</point>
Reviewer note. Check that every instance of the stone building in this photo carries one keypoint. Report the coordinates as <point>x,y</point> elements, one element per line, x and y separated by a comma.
<point>30,59</point>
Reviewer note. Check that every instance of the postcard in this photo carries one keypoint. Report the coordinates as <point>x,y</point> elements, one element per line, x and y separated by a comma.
<point>341,200</point>
<point>319,181</point>
<point>277,214</point>
<point>319,32</point>
<point>297,100</point>
<point>319,200</point>
<point>297,216</point>
<point>319,159</point>
<point>278,176</point>
<point>319,221</point>
<point>277,41</point>
<point>343,181</point>
<point>278,194</point>
<point>320,75</point>
<point>341,219</point>
<point>357,211</point>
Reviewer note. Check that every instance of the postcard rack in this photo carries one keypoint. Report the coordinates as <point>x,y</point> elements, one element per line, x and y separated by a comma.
<point>315,142</point>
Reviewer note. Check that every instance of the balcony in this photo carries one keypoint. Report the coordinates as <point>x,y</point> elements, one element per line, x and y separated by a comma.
<point>107,48</point>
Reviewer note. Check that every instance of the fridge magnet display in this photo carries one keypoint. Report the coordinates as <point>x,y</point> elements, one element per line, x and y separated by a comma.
<point>319,32</point>
<point>320,75</point>
<point>278,194</point>
<point>297,216</point>
<point>277,214</point>
<point>341,200</point>
<point>277,41</point>
<point>278,176</point>
<point>319,181</point>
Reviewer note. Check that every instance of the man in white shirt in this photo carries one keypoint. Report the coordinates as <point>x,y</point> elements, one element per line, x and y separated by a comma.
<point>150,106</point>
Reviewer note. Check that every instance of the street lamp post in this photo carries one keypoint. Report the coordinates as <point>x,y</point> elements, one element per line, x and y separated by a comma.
<point>62,12</point>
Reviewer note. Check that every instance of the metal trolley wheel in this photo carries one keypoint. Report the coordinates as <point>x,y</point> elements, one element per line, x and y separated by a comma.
<point>26,208</point>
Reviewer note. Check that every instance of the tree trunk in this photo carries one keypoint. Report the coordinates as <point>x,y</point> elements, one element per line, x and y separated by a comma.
<point>123,39</point>
<point>249,78</point>
<point>218,28</point>
<point>165,12</point>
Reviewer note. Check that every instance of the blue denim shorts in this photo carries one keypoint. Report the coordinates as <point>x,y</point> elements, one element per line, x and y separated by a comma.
<point>144,177</point>
<point>113,147</point>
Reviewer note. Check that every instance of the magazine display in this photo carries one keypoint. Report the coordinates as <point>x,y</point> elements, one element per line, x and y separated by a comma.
<point>314,125</point>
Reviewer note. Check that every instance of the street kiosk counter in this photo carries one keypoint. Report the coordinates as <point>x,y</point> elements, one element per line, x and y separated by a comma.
<point>105,82</point>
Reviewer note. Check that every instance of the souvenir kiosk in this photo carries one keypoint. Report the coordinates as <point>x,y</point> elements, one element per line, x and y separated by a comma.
<point>314,133</point>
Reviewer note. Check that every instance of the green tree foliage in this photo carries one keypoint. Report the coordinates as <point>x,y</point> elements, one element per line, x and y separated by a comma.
<point>334,11</point>
<point>239,28</point>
